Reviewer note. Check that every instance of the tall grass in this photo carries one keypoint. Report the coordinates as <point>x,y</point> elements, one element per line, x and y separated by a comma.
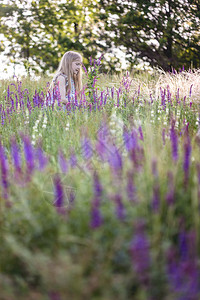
<point>101,201</point>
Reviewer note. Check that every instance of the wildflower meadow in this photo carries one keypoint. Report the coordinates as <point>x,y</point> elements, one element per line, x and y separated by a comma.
<point>101,200</point>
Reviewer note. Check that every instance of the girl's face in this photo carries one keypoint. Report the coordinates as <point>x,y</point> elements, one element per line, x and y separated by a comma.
<point>76,65</point>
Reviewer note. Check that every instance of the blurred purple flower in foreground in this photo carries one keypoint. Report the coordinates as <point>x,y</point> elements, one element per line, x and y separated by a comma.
<point>182,268</point>
<point>140,253</point>
<point>174,141</point>
<point>4,172</point>
<point>119,207</point>
<point>97,187</point>
<point>187,155</point>
<point>73,160</point>
<point>62,162</point>
<point>16,157</point>
<point>130,187</point>
<point>96,217</point>
<point>58,194</point>
<point>41,158</point>
<point>170,196</point>
<point>29,156</point>
<point>115,159</point>
<point>87,149</point>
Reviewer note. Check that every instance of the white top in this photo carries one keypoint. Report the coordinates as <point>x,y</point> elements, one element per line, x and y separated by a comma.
<point>72,92</point>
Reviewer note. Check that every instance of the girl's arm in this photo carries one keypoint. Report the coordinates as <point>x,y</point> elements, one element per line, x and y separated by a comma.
<point>62,87</point>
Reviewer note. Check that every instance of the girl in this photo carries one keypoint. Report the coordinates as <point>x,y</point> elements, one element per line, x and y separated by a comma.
<point>68,76</point>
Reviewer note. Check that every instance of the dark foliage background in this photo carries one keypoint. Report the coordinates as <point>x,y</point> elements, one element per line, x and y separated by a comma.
<point>164,33</point>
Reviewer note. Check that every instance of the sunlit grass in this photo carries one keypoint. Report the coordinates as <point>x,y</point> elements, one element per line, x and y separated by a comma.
<point>111,200</point>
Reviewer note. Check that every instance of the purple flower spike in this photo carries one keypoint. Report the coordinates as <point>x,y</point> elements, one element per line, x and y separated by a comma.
<point>183,274</point>
<point>73,160</point>
<point>139,249</point>
<point>16,157</point>
<point>41,158</point>
<point>87,149</point>
<point>187,155</point>
<point>85,70</point>
<point>141,133</point>
<point>115,159</point>
<point>112,92</point>
<point>102,142</point>
<point>156,198</point>
<point>58,194</point>
<point>174,142</point>
<point>120,210</point>
<point>96,218</point>
<point>62,162</point>
<point>130,139</point>
<point>94,82</point>
<point>131,189</point>
<point>190,93</point>
<point>29,155</point>
<point>170,197</point>
<point>98,189</point>
<point>4,172</point>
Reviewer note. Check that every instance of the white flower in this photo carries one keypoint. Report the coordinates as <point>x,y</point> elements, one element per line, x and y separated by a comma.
<point>113,131</point>
<point>67,126</point>
<point>158,119</point>
<point>33,136</point>
<point>44,126</point>
<point>120,123</point>
<point>124,154</point>
<point>138,122</point>
<point>112,123</point>
<point>113,117</point>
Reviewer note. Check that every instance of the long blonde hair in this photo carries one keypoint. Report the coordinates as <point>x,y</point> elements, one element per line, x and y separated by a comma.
<point>65,67</point>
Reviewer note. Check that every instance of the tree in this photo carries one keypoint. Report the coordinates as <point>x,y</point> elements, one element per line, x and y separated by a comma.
<point>164,33</point>
<point>41,31</point>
